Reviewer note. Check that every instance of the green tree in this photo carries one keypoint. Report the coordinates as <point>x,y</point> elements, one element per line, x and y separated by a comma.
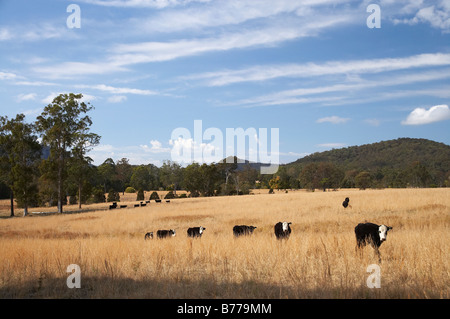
<point>123,173</point>
<point>171,173</point>
<point>20,145</point>
<point>140,195</point>
<point>140,179</point>
<point>363,180</point>
<point>107,172</point>
<point>64,126</point>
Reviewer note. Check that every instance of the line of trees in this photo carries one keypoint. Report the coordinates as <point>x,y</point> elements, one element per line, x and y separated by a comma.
<point>46,163</point>
<point>64,129</point>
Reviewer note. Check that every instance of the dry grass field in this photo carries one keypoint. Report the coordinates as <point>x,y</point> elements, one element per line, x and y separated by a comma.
<point>318,261</point>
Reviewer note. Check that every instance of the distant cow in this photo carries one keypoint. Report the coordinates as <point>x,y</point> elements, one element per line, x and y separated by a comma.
<point>195,231</point>
<point>240,230</point>
<point>165,233</point>
<point>345,202</point>
<point>149,235</point>
<point>282,230</point>
<point>373,234</point>
<point>113,206</point>
<point>157,201</point>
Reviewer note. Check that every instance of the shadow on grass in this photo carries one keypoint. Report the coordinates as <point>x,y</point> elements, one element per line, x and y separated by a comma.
<point>124,288</point>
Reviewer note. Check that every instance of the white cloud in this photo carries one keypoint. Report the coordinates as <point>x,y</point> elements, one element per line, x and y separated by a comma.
<point>26,97</point>
<point>333,119</point>
<point>373,122</point>
<point>49,98</point>
<point>420,116</point>
<point>5,34</point>
<point>7,76</point>
<point>118,90</point>
<point>437,15</point>
<point>69,70</point>
<point>117,99</point>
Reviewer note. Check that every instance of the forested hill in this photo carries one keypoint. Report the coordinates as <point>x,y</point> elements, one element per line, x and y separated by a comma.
<point>396,163</point>
<point>393,154</point>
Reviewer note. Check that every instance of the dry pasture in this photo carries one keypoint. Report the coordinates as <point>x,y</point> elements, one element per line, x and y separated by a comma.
<point>318,261</point>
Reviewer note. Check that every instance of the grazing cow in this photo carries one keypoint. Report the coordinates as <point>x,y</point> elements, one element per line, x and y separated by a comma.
<point>157,200</point>
<point>113,206</point>
<point>149,235</point>
<point>136,205</point>
<point>373,234</point>
<point>195,231</point>
<point>240,230</point>
<point>345,202</point>
<point>123,206</point>
<point>165,233</point>
<point>282,230</point>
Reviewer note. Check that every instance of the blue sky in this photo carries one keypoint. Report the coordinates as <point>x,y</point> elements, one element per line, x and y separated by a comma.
<point>312,69</point>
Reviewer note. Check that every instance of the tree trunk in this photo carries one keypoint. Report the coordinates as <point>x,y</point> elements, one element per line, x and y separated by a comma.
<point>12,203</point>
<point>25,210</point>
<point>79,195</point>
<point>60,188</point>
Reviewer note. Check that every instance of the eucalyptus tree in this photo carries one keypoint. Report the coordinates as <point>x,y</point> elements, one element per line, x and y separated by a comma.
<point>65,127</point>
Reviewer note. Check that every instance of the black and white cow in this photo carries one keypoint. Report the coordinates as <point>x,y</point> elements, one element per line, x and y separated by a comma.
<point>165,233</point>
<point>345,202</point>
<point>195,231</point>
<point>373,234</point>
<point>240,230</point>
<point>282,230</point>
<point>149,235</point>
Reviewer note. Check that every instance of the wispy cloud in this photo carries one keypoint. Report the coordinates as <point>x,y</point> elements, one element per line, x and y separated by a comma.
<point>333,119</point>
<point>117,90</point>
<point>26,97</point>
<point>154,4</point>
<point>268,72</point>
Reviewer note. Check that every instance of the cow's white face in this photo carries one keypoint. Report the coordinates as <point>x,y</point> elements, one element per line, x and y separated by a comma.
<point>201,230</point>
<point>173,232</point>
<point>382,231</point>
<point>285,226</point>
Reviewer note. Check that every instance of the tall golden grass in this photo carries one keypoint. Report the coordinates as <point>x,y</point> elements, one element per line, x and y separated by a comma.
<point>318,261</point>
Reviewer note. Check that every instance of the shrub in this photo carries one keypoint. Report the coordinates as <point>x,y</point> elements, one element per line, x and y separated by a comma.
<point>113,196</point>
<point>170,195</point>
<point>98,196</point>
<point>130,190</point>
<point>154,195</point>
<point>140,195</point>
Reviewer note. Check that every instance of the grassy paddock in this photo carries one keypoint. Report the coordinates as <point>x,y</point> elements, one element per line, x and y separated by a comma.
<point>318,261</point>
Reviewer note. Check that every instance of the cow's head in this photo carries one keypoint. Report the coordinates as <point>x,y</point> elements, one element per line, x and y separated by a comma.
<point>172,232</point>
<point>382,232</point>
<point>201,229</point>
<point>286,226</point>
<point>252,228</point>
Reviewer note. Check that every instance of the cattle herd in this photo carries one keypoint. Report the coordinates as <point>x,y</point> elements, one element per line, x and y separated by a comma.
<point>366,233</point>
